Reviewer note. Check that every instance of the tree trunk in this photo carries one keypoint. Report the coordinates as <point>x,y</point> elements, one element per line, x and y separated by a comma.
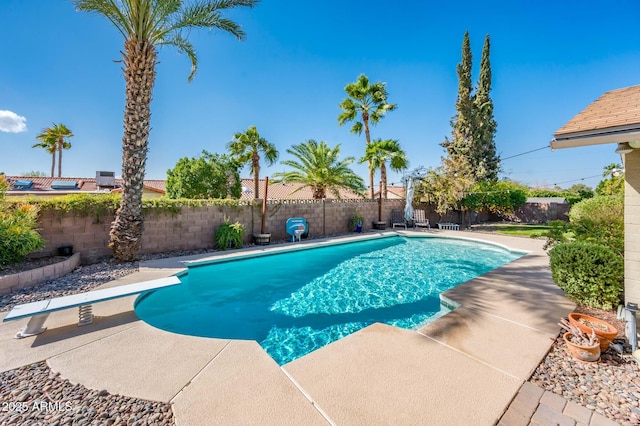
<point>60,144</point>
<point>256,174</point>
<point>318,193</point>
<point>53,163</point>
<point>139,73</point>
<point>367,135</point>
<point>383,177</point>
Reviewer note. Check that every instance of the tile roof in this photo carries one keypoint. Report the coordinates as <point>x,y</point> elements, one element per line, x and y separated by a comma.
<point>43,184</point>
<point>615,110</point>
<point>285,191</point>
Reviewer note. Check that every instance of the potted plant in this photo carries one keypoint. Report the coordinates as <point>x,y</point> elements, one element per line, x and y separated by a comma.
<point>584,347</point>
<point>355,222</point>
<point>605,331</point>
<point>230,235</point>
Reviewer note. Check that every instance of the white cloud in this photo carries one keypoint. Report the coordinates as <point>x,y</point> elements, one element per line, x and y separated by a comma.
<point>11,122</point>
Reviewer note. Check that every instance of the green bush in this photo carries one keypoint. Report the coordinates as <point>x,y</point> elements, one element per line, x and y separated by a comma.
<point>590,274</point>
<point>229,235</point>
<point>18,234</point>
<point>600,220</point>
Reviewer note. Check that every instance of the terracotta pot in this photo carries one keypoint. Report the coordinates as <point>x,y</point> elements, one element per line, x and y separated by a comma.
<point>605,337</point>
<point>582,353</point>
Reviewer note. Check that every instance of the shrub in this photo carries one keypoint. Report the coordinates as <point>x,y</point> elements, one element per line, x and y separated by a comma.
<point>229,235</point>
<point>600,220</point>
<point>18,234</point>
<point>590,274</point>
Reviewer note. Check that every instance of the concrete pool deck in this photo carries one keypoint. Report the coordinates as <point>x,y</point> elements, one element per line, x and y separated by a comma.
<point>464,368</point>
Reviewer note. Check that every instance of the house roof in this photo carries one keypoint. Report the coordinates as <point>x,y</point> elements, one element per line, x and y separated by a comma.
<point>613,117</point>
<point>286,191</point>
<point>392,192</point>
<point>546,200</point>
<point>41,185</point>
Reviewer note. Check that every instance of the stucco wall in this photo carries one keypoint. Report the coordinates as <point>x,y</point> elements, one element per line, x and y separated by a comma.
<point>632,227</point>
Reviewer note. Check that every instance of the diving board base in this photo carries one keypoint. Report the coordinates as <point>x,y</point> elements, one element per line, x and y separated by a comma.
<point>34,327</point>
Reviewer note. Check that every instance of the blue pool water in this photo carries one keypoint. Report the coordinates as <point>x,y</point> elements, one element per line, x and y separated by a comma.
<point>296,302</point>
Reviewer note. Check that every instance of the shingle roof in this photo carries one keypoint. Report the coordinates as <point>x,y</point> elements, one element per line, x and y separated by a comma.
<point>615,110</point>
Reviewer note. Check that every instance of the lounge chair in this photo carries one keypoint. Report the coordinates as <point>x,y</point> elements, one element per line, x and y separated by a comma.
<point>397,219</point>
<point>420,219</point>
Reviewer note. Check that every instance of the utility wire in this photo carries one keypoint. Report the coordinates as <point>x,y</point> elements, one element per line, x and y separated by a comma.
<point>524,153</point>
<point>575,180</point>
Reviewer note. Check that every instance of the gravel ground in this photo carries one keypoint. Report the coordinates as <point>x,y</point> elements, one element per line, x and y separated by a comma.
<point>611,386</point>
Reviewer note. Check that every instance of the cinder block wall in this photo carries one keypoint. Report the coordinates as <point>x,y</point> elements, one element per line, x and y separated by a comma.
<point>194,228</point>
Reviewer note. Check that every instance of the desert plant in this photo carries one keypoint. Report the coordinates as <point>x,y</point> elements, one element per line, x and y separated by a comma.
<point>230,235</point>
<point>18,233</point>
<point>590,274</point>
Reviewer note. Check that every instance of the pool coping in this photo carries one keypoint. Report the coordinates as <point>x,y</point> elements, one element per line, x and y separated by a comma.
<point>336,384</point>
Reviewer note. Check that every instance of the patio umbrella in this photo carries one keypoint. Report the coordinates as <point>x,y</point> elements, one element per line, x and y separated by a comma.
<point>408,208</point>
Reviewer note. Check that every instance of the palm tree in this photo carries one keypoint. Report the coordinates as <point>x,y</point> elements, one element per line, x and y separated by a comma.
<point>246,148</point>
<point>379,152</point>
<point>50,144</point>
<point>146,24</point>
<point>368,100</point>
<point>318,167</point>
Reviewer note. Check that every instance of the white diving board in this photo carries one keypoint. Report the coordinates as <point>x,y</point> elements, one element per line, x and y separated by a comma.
<point>39,311</point>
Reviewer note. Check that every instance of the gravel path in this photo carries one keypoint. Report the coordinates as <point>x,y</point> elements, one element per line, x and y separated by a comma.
<point>611,386</point>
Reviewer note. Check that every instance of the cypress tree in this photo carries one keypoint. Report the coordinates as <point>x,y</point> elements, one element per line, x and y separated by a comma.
<point>484,157</point>
<point>460,146</point>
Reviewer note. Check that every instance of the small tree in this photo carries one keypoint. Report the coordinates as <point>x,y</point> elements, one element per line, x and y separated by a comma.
<point>55,139</point>
<point>600,220</point>
<point>614,182</point>
<point>318,166</point>
<point>501,198</point>
<point>209,176</point>
<point>246,148</point>
<point>369,101</point>
<point>379,153</point>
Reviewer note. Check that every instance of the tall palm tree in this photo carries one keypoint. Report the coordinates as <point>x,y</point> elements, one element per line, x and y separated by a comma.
<point>368,100</point>
<point>318,167</point>
<point>50,144</point>
<point>61,134</point>
<point>379,152</point>
<point>146,24</point>
<point>246,148</point>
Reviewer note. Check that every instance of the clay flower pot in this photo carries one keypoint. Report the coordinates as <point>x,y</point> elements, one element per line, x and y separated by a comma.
<point>582,353</point>
<point>605,331</point>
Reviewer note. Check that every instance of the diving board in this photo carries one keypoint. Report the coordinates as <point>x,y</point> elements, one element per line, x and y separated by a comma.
<point>39,311</point>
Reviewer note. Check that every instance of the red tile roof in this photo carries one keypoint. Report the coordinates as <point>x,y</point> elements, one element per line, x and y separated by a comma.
<point>615,110</point>
<point>287,191</point>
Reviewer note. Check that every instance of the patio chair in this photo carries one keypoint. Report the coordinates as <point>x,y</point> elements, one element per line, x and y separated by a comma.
<point>420,219</point>
<point>397,219</point>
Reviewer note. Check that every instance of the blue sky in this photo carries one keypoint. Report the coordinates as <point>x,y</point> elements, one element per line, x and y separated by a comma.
<point>549,61</point>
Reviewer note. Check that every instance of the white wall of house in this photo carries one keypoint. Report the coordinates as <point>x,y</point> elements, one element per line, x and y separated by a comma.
<point>632,227</point>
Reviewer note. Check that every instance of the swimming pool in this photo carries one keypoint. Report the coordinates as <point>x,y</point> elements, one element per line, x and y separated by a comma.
<point>296,302</point>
